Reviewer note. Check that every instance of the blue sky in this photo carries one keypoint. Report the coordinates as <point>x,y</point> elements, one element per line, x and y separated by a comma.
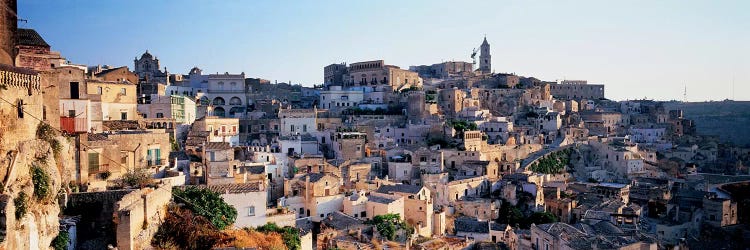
<point>639,49</point>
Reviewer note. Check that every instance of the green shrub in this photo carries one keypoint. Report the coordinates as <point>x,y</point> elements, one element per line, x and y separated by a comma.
<point>41,181</point>
<point>208,204</point>
<point>389,224</point>
<point>22,205</point>
<point>46,133</point>
<point>61,241</point>
<point>135,178</point>
<point>289,235</point>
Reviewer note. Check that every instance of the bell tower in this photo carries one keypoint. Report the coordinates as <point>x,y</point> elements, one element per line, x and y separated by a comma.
<point>485,60</point>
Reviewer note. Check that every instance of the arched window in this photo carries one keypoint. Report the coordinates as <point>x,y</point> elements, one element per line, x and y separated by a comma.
<point>219,101</point>
<point>219,112</point>
<point>235,101</point>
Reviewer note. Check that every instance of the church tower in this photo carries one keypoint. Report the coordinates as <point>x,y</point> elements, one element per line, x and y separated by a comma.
<point>485,60</point>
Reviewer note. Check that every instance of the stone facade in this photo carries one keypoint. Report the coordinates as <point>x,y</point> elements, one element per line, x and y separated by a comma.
<point>577,90</point>
<point>138,216</point>
<point>375,74</point>
<point>8,26</point>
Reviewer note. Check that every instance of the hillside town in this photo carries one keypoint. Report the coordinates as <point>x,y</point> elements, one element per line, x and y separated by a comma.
<point>446,155</point>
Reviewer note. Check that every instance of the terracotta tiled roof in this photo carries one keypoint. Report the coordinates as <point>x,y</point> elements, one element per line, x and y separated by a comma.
<point>30,37</point>
<point>401,188</point>
<point>235,188</point>
<point>218,146</point>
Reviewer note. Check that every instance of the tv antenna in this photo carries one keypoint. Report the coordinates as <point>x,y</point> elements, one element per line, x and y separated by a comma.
<point>684,94</point>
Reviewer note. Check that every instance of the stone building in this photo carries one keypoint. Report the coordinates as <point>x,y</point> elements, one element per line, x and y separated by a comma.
<point>577,90</point>
<point>444,69</point>
<point>298,121</point>
<point>115,100</point>
<point>8,27</point>
<point>119,74</point>
<point>418,206</point>
<point>226,93</point>
<point>719,212</point>
<point>220,163</point>
<point>219,129</point>
<point>349,145</point>
<point>485,59</point>
<point>335,98</point>
<point>249,199</point>
<point>180,108</point>
<point>451,101</point>
<point>34,53</point>
<point>151,79</point>
<point>333,75</point>
<point>375,74</point>
<point>313,195</point>
<point>107,156</point>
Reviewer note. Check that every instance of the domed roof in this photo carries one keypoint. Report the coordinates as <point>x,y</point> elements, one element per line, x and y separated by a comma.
<point>607,228</point>
<point>146,55</point>
<point>195,71</point>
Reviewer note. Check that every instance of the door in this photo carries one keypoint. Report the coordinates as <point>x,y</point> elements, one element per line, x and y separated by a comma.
<point>74,90</point>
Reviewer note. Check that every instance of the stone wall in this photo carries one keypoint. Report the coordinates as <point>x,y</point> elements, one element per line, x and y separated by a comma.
<point>20,150</point>
<point>8,26</point>
<point>138,216</point>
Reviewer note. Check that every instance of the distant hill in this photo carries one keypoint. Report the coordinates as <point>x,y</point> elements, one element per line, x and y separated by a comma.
<point>730,120</point>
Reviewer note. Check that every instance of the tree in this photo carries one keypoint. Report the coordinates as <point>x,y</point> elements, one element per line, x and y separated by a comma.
<point>208,204</point>
<point>182,229</point>
<point>542,218</point>
<point>508,214</point>
<point>388,225</point>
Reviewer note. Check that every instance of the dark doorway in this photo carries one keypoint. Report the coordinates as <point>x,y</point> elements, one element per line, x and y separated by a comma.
<point>74,90</point>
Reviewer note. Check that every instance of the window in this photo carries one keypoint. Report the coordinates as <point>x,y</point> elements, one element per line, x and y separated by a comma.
<point>93,162</point>
<point>19,108</point>
<point>71,113</point>
<point>123,157</point>
<point>251,211</point>
<point>159,115</point>
<point>99,90</point>
<point>123,116</point>
<point>123,91</point>
<point>291,128</point>
<point>304,127</point>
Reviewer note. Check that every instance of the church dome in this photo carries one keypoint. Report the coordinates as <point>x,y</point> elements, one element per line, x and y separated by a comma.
<point>195,71</point>
<point>146,55</point>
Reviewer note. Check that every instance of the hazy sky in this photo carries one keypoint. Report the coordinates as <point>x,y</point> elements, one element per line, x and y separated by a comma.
<point>638,49</point>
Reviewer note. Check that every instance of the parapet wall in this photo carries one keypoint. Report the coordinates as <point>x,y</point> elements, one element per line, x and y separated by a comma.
<point>139,214</point>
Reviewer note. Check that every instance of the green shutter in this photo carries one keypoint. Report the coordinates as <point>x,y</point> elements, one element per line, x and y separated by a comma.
<point>158,156</point>
<point>93,162</point>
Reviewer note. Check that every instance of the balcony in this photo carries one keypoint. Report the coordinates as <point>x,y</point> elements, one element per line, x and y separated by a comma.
<point>226,133</point>
<point>74,125</point>
<point>157,162</point>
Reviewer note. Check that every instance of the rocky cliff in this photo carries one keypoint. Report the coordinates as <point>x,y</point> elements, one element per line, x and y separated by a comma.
<point>33,158</point>
<point>32,181</point>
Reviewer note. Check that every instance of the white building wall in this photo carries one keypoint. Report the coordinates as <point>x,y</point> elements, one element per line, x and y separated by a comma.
<point>242,202</point>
